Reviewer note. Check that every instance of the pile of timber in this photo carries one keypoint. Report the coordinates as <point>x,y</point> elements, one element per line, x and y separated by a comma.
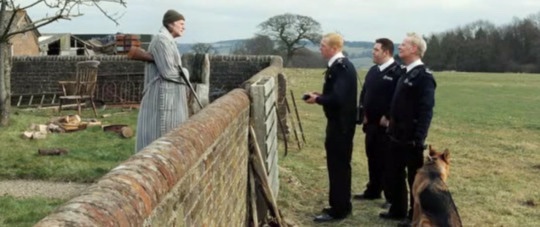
<point>69,123</point>
<point>73,123</point>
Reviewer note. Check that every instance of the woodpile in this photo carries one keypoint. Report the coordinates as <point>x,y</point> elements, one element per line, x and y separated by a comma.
<point>69,123</point>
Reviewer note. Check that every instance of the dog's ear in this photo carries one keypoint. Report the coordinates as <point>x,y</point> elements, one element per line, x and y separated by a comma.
<point>446,155</point>
<point>432,152</point>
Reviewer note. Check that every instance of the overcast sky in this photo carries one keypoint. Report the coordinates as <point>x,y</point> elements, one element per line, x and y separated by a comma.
<point>357,20</point>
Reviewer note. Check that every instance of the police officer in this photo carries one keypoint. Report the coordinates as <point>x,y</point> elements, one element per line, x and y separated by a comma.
<point>411,111</point>
<point>375,98</point>
<point>338,100</point>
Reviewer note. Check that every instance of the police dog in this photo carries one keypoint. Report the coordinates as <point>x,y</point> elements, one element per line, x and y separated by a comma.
<point>433,204</point>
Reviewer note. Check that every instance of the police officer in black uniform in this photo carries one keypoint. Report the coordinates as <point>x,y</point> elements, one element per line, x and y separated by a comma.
<point>411,111</point>
<point>375,98</point>
<point>339,104</point>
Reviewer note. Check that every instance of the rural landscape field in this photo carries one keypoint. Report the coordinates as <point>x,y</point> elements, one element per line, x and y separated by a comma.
<point>489,122</point>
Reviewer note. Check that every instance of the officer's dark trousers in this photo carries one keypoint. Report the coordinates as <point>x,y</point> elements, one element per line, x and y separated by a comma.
<point>377,148</point>
<point>402,156</point>
<point>339,146</point>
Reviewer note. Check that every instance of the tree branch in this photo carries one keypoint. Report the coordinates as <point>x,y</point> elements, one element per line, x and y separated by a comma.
<point>6,35</point>
<point>35,26</point>
<point>64,12</point>
<point>115,20</point>
<point>31,5</point>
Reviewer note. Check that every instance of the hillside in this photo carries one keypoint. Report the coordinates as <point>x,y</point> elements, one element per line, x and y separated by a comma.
<point>359,52</point>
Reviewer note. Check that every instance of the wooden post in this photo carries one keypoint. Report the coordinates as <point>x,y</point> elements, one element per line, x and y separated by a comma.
<point>263,113</point>
<point>258,166</point>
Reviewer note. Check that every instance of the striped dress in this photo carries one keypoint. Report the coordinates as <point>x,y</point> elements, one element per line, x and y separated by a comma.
<point>164,102</point>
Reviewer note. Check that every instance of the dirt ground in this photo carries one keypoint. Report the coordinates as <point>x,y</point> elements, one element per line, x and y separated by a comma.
<point>47,189</point>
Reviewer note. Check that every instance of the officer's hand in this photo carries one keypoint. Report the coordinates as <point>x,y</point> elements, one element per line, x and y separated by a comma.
<point>312,97</point>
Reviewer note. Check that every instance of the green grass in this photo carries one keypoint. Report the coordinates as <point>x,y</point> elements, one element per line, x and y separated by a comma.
<point>92,152</point>
<point>18,212</point>
<point>489,122</point>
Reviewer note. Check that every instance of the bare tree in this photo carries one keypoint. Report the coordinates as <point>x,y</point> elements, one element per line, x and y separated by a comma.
<point>203,48</point>
<point>292,32</point>
<point>10,10</point>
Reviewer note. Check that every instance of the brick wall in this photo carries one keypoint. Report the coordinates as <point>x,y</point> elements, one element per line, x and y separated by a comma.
<point>196,175</point>
<point>33,75</point>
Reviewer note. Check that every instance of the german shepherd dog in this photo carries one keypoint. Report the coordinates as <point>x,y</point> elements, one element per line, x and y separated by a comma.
<point>433,204</point>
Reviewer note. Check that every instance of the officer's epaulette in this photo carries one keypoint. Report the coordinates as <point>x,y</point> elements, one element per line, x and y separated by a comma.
<point>339,61</point>
<point>417,70</point>
<point>414,73</point>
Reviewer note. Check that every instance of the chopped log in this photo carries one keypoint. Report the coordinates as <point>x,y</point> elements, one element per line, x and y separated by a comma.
<point>68,127</point>
<point>27,135</point>
<point>53,151</point>
<point>55,128</point>
<point>126,132</point>
<point>122,130</point>
<point>112,114</point>
<point>42,128</point>
<point>39,135</point>
<point>73,119</point>
<point>91,122</point>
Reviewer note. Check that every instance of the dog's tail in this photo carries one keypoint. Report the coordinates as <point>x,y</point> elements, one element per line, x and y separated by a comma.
<point>438,205</point>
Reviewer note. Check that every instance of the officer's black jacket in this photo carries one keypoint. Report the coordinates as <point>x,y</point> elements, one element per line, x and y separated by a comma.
<point>411,109</point>
<point>378,90</point>
<point>339,93</point>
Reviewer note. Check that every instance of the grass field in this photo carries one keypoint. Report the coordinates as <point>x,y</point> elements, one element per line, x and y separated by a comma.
<point>92,152</point>
<point>490,124</point>
<point>488,121</point>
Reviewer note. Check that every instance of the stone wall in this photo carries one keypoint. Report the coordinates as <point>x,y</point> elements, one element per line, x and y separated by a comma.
<point>229,71</point>
<point>196,175</point>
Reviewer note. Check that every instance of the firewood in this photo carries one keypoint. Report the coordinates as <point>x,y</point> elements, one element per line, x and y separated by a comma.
<point>113,114</point>
<point>55,128</point>
<point>42,128</point>
<point>73,119</point>
<point>27,135</point>
<point>94,123</point>
<point>39,135</point>
<point>122,130</point>
<point>126,132</point>
<point>52,151</point>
